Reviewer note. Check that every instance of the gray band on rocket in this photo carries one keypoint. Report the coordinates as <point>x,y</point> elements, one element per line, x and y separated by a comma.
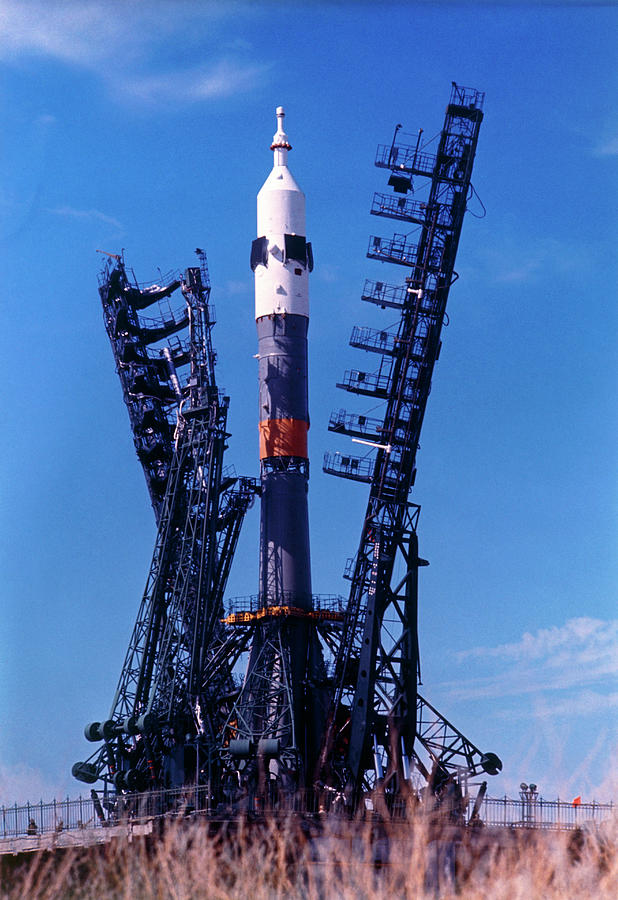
<point>283,395</point>
<point>285,570</point>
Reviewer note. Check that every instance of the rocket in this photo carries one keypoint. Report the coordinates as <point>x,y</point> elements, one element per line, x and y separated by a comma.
<point>281,259</point>
<point>282,705</point>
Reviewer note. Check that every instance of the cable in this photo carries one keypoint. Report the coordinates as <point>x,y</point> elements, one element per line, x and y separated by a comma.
<point>475,194</point>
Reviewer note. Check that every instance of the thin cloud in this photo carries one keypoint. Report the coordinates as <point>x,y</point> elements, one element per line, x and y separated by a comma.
<point>124,44</point>
<point>608,148</point>
<point>542,255</point>
<point>328,273</point>
<point>523,258</point>
<point>46,120</point>
<point>519,682</point>
<point>21,783</point>
<point>580,632</point>
<point>572,665</point>
<point>222,79</point>
<point>580,703</point>
<point>237,288</point>
<point>92,215</point>
<point>80,34</point>
<point>584,703</point>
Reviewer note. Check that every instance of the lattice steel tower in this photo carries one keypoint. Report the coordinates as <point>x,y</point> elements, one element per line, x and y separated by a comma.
<point>378,724</point>
<point>166,714</point>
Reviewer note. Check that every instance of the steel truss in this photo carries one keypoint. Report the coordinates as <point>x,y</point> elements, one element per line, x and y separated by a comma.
<point>271,737</point>
<point>168,711</point>
<point>376,715</point>
<point>265,706</point>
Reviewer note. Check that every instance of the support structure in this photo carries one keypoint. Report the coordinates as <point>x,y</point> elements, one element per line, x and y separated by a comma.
<point>166,714</point>
<point>376,715</point>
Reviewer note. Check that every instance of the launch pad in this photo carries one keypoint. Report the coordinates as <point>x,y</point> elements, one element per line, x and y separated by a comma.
<point>288,697</point>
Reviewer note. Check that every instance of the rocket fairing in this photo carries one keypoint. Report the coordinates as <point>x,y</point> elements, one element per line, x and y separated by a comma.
<point>281,260</point>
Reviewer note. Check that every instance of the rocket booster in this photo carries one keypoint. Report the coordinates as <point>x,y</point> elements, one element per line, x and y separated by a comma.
<point>281,260</point>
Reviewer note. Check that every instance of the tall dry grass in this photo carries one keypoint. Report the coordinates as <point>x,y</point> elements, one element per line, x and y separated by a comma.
<point>335,860</point>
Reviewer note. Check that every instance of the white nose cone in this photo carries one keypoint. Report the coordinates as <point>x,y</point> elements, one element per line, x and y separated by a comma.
<point>280,203</point>
<point>281,284</point>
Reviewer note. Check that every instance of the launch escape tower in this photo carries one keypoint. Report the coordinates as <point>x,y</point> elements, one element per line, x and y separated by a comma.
<point>286,691</point>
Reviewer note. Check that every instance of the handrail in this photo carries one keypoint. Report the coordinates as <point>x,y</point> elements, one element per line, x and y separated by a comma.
<point>88,814</point>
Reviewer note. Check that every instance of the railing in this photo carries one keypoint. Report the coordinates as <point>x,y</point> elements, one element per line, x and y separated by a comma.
<point>346,466</point>
<point>370,384</point>
<point>393,296</point>
<point>401,251</point>
<point>410,210</point>
<point>44,818</point>
<point>254,602</point>
<point>356,425</point>
<point>166,279</point>
<point>539,813</point>
<point>465,96</point>
<point>398,250</point>
<point>33,820</point>
<point>374,340</point>
<point>385,342</point>
<point>405,158</point>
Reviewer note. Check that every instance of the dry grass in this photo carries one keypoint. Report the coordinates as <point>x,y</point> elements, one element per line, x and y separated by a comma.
<point>340,860</point>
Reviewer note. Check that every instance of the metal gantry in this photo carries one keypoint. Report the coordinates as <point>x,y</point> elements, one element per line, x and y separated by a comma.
<point>377,723</point>
<point>167,711</point>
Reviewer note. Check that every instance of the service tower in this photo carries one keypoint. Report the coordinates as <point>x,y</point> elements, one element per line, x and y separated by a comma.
<point>281,259</point>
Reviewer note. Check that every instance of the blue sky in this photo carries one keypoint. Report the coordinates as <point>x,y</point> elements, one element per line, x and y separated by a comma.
<point>146,126</point>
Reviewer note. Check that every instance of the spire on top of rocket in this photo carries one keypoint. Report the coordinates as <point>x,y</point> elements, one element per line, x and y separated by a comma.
<point>280,140</point>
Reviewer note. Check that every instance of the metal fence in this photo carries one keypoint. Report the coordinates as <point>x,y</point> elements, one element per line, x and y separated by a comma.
<point>539,813</point>
<point>45,818</point>
<point>96,812</point>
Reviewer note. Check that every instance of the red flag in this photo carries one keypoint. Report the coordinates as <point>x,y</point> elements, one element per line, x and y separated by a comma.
<point>577,801</point>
